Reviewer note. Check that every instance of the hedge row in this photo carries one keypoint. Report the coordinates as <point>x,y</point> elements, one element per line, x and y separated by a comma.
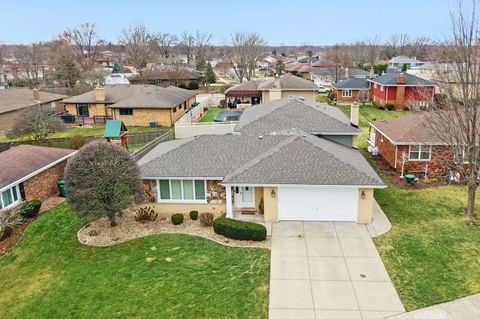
<point>237,229</point>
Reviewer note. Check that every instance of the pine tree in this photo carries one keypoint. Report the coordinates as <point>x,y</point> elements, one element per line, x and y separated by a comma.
<point>404,67</point>
<point>200,64</point>
<point>210,76</point>
<point>117,68</point>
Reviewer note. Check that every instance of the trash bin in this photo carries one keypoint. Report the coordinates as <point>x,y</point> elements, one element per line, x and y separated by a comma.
<point>62,188</point>
<point>153,124</point>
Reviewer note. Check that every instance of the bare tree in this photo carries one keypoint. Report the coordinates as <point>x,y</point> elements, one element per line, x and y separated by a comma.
<point>166,42</point>
<point>177,72</point>
<point>35,123</point>
<point>187,45</point>
<point>457,122</point>
<point>139,46</point>
<point>372,49</point>
<point>397,44</point>
<point>63,61</point>
<point>202,40</point>
<point>86,44</point>
<point>103,180</point>
<point>244,52</point>
<point>336,59</point>
<point>32,61</point>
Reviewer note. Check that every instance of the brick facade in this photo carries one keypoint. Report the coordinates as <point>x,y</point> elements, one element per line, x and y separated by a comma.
<point>44,185</point>
<point>340,98</point>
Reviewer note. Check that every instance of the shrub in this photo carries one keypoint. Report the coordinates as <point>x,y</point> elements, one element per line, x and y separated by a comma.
<point>77,141</point>
<point>237,229</point>
<point>182,86</point>
<point>145,214</point>
<point>206,219</point>
<point>193,85</point>
<point>177,219</point>
<point>31,208</point>
<point>9,220</point>
<point>405,108</point>
<point>193,215</point>
<point>390,107</point>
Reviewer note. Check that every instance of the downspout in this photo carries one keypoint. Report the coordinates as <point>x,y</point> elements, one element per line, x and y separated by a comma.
<point>395,157</point>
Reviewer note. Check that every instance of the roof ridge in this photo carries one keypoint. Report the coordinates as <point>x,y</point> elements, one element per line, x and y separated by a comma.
<point>261,157</point>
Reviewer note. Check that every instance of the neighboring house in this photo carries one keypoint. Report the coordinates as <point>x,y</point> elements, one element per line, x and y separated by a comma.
<point>403,90</point>
<point>352,90</point>
<point>326,76</point>
<point>167,77</point>
<point>399,61</point>
<point>308,59</point>
<point>117,78</point>
<point>304,69</point>
<point>3,79</point>
<point>294,174</point>
<point>13,102</point>
<point>30,172</point>
<point>135,105</point>
<point>408,144</point>
<point>255,92</point>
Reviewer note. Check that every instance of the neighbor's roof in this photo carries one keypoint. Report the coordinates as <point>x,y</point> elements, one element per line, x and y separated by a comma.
<point>288,82</point>
<point>246,87</point>
<point>21,161</point>
<point>282,159</point>
<point>15,99</point>
<point>403,59</point>
<point>354,84</point>
<point>166,74</point>
<point>308,59</point>
<point>294,113</point>
<point>390,79</point>
<point>137,96</point>
<point>407,130</point>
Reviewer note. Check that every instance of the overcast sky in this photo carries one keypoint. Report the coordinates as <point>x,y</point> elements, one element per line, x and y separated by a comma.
<point>294,22</point>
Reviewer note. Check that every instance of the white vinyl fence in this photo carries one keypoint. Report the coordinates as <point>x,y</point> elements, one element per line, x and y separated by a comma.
<point>187,125</point>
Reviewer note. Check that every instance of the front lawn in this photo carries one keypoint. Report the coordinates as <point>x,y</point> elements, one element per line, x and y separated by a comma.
<point>210,115</point>
<point>49,274</point>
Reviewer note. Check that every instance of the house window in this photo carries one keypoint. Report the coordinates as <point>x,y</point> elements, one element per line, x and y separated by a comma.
<point>421,105</point>
<point>347,93</point>
<point>82,110</point>
<point>419,152</point>
<point>174,109</point>
<point>381,88</point>
<point>181,190</point>
<point>9,197</point>
<point>128,111</point>
<point>374,85</point>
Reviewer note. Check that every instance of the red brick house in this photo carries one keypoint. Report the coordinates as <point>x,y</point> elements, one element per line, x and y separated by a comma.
<point>403,90</point>
<point>407,144</point>
<point>30,172</point>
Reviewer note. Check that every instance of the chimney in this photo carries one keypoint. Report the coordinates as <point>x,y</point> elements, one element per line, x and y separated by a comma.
<point>401,79</point>
<point>372,72</point>
<point>36,95</point>
<point>99,93</point>
<point>354,114</point>
<point>346,74</point>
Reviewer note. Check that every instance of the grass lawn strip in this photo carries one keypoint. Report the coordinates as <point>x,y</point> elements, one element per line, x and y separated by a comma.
<point>49,274</point>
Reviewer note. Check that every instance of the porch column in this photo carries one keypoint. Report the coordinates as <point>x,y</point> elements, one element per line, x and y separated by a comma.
<point>229,201</point>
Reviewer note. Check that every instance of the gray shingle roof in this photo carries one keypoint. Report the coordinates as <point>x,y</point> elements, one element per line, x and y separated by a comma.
<point>288,82</point>
<point>390,79</point>
<point>354,84</point>
<point>16,99</point>
<point>137,96</point>
<point>281,159</point>
<point>293,113</point>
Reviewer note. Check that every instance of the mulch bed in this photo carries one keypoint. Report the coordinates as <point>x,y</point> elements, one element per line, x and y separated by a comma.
<point>12,240</point>
<point>394,176</point>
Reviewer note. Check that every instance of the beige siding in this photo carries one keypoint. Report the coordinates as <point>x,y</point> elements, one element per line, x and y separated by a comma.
<point>365,206</point>
<point>270,204</point>
<point>308,95</point>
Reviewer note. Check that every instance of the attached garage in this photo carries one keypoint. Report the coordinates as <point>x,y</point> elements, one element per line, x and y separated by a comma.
<point>316,203</point>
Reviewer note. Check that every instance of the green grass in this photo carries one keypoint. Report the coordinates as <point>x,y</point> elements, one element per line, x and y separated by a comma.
<point>208,117</point>
<point>87,131</point>
<point>49,274</point>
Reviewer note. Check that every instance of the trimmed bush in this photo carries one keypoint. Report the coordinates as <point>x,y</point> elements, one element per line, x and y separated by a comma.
<point>177,219</point>
<point>206,219</point>
<point>193,215</point>
<point>193,85</point>
<point>145,214</point>
<point>390,107</point>
<point>237,229</point>
<point>31,208</point>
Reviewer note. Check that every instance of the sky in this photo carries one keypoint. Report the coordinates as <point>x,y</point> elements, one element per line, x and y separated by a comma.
<point>293,22</point>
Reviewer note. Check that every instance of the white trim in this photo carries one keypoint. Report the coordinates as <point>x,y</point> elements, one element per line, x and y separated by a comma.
<point>181,201</point>
<point>228,197</point>
<point>301,185</point>
<point>347,93</point>
<point>420,153</point>
<point>14,202</point>
<point>183,177</point>
<point>336,133</point>
<point>37,171</point>
<point>396,154</point>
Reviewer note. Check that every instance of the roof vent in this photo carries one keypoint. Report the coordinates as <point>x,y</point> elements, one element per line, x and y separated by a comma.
<point>260,137</point>
<point>301,98</point>
<point>147,92</point>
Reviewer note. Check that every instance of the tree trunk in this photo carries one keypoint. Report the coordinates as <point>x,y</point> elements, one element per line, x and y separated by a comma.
<point>112,220</point>
<point>472,190</point>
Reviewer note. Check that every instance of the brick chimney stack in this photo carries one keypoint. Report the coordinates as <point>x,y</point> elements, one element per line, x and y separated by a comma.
<point>36,95</point>
<point>99,93</point>
<point>372,72</point>
<point>401,79</point>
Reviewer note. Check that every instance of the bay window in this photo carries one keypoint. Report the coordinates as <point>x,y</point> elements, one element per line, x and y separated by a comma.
<point>181,190</point>
<point>419,153</point>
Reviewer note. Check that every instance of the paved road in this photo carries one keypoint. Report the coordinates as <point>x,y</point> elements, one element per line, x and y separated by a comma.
<point>328,270</point>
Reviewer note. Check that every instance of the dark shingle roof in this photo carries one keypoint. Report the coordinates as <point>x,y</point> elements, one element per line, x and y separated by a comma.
<point>294,113</point>
<point>15,99</point>
<point>137,96</point>
<point>354,84</point>
<point>23,160</point>
<point>282,159</point>
<point>390,79</point>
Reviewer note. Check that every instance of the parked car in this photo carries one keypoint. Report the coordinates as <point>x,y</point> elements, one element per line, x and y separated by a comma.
<point>322,89</point>
<point>227,116</point>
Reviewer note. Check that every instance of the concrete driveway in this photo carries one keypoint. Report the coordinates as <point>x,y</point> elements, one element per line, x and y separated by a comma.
<point>328,270</point>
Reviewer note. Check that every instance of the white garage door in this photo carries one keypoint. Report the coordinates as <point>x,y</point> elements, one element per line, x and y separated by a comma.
<point>324,204</point>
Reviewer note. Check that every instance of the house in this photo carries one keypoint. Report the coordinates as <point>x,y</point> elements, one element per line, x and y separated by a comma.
<point>135,105</point>
<point>30,172</point>
<point>408,144</point>
<point>326,76</point>
<point>3,79</point>
<point>13,102</point>
<point>255,91</point>
<point>298,69</point>
<point>399,61</point>
<point>308,59</point>
<point>294,174</point>
<point>168,77</point>
<point>403,90</point>
<point>352,90</point>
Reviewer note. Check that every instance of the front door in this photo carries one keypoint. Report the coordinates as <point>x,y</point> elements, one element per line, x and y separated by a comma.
<point>244,197</point>
<point>82,110</point>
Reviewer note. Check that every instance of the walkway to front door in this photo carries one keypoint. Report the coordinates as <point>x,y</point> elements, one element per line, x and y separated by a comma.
<point>328,270</point>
